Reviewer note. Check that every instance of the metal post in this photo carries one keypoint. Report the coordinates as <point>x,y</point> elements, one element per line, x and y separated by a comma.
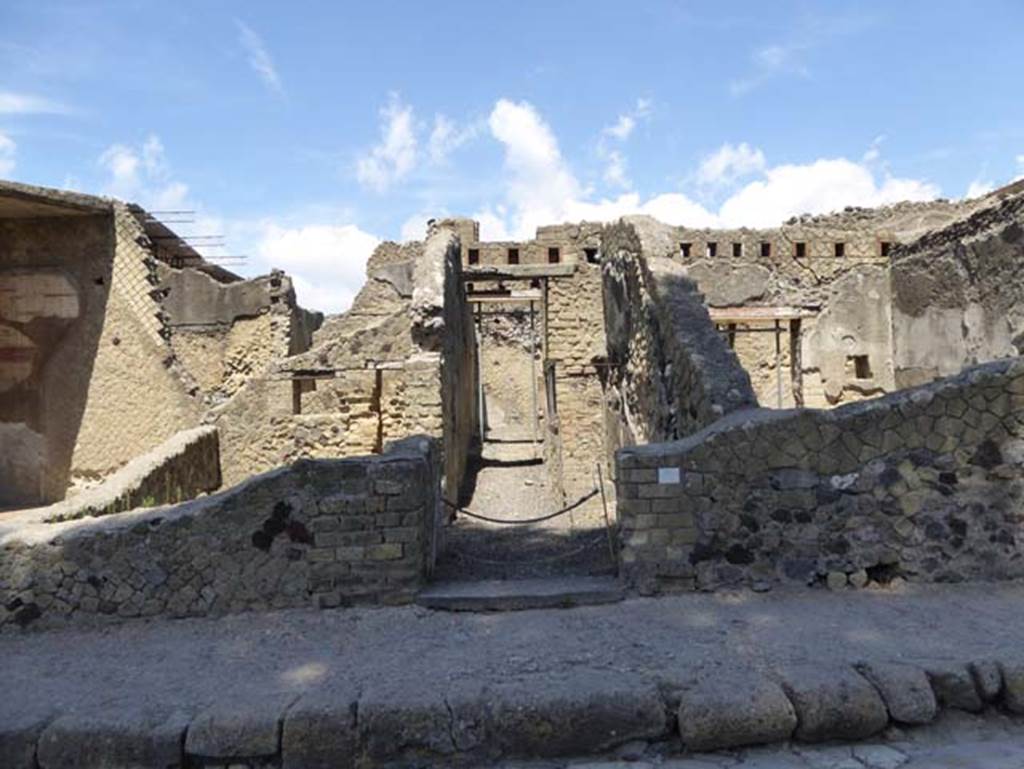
<point>607,520</point>
<point>778,361</point>
<point>533,373</point>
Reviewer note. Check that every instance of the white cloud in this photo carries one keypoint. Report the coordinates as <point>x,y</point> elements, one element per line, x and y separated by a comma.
<point>616,172</point>
<point>874,151</point>
<point>769,62</point>
<point>141,174</point>
<point>539,184</point>
<point>623,127</point>
<point>122,163</point>
<point>446,137</point>
<point>326,262</point>
<point>979,187</point>
<point>729,163</point>
<point>12,103</point>
<point>394,157</point>
<point>259,57</point>
<point>415,227</point>
<point>7,150</point>
<point>540,187</point>
<point>817,187</point>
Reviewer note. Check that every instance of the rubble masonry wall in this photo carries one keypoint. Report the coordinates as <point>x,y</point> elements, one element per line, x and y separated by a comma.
<point>925,483</point>
<point>671,373</point>
<point>316,533</point>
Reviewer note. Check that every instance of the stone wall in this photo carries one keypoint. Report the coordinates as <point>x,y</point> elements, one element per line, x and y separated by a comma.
<point>507,345</point>
<point>831,271</point>
<point>925,484</point>
<point>96,379</point>
<point>400,362</point>
<point>320,532</point>
<point>671,373</point>
<point>181,468</point>
<point>576,353</point>
<point>137,396</point>
<point>958,293</point>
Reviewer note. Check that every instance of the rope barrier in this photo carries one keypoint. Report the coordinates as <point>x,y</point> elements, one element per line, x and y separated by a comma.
<point>513,521</point>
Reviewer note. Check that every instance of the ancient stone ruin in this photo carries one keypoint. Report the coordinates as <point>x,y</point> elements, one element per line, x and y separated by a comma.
<point>837,401</point>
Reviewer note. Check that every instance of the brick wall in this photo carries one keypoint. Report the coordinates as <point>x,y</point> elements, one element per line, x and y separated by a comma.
<point>320,532</point>
<point>925,484</point>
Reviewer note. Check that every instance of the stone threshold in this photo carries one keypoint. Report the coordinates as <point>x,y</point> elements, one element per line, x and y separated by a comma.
<point>521,594</point>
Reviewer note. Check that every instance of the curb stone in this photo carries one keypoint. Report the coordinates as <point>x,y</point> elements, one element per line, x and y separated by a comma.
<point>126,737</point>
<point>717,713</point>
<point>229,731</point>
<point>531,718</point>
<point>833,703</point>
<point>905,689</point>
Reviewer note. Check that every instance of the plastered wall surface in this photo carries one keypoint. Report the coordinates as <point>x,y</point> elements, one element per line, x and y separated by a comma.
<point>50,346</point>
<point>957,294</point>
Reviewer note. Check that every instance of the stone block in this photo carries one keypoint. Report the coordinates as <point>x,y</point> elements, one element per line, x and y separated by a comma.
<point>1013,685</point>
<point>660,490</point>
<point>319,731</point>
<point>406,724</point>
<point>122,738</point>
<point>905,689</point>
<point>954,686</point>
<point>834,703</point>
<point>404,534</point>
<point>19,733</point>
<point>238,728</point>
<point>389,551</point>
<point>585,712</point>
<point>729,712</point>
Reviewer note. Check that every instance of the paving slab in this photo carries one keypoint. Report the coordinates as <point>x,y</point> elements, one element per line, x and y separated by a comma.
<point>520,594</point>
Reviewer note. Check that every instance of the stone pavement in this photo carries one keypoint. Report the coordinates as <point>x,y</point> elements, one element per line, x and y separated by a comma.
<point>509,481</point>
<point>413,687</point>
<point>955,741</point>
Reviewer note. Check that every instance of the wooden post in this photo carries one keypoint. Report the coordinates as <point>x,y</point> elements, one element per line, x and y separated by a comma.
<point>778,362</point>
<point>796,362</point>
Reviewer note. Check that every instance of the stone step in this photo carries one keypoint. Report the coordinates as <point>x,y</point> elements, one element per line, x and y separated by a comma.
<point>519,594</point>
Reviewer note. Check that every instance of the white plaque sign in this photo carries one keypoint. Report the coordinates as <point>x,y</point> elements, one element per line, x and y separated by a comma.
<point>668,475</point>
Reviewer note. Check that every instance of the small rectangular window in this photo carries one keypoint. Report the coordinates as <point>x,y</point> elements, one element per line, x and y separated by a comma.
<point>684,250</point>
<point>591,254</point>
<point>861,365</point>
<point>513,256</point>
<point>474,256</point>
<point>840,249</point>
<point>801,250</point>
<point>737,250</point>
<point>766,249</point>
<point>712,249</point>
<point>554,256</point>
<point>885,247</point>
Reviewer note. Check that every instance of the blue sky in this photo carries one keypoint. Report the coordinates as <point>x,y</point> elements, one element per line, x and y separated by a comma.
<point>305,132</point>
